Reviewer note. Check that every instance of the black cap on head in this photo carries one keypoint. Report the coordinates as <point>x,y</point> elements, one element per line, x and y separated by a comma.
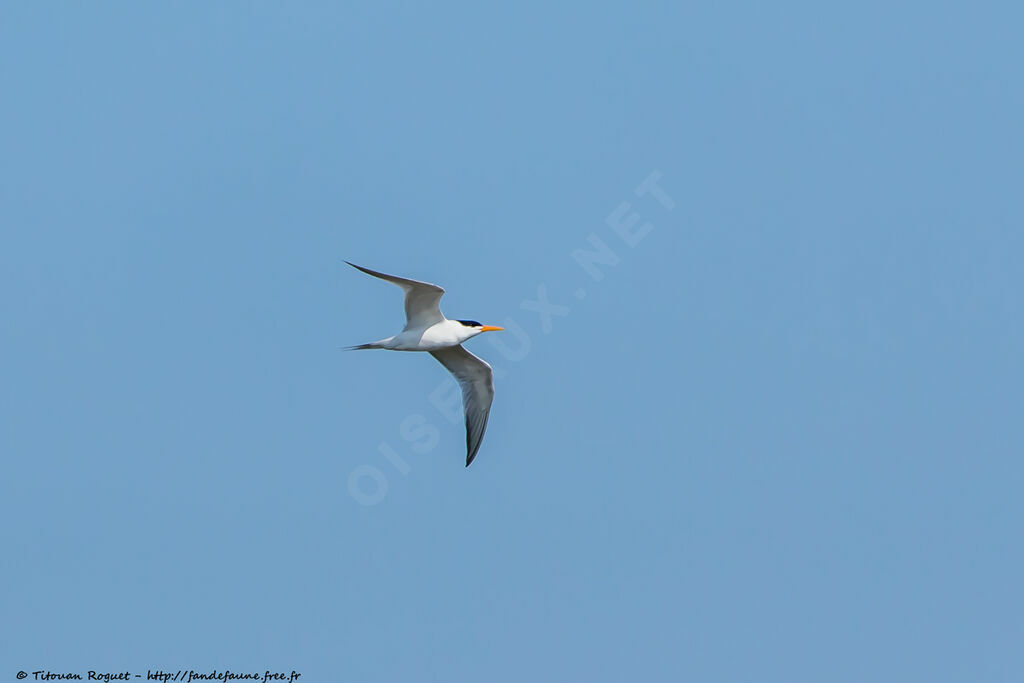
<point>470,323</point>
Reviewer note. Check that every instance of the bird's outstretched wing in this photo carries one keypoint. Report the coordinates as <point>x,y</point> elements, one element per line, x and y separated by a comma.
<point>477,384</point>
<point>422,299</point>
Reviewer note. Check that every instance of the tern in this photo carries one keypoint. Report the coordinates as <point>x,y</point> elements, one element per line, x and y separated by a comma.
<point>426,329</point>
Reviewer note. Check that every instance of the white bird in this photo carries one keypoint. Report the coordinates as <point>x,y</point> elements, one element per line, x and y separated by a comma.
<point>426,329</point>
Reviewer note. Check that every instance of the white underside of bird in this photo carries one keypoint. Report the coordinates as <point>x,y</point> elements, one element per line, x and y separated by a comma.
<point>426,329</point>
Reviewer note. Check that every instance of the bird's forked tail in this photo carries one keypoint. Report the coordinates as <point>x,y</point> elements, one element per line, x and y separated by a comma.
<point>360,347</point>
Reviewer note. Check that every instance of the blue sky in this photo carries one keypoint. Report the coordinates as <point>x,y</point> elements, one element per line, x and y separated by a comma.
<point>778,440</point>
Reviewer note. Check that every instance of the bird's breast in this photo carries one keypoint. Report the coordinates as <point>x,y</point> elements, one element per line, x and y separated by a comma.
<point>438,336</point>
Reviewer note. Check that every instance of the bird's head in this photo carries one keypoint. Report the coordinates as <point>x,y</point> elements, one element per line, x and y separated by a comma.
<point>475,328</point>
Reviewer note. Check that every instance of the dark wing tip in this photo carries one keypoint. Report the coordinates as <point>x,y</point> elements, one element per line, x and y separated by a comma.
<point>470,451</point>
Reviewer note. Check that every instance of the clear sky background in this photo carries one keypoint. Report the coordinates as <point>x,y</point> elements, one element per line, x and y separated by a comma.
<point>779,440</point>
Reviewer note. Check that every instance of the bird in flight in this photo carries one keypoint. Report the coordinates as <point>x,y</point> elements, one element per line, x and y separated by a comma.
<point>426,329</point>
